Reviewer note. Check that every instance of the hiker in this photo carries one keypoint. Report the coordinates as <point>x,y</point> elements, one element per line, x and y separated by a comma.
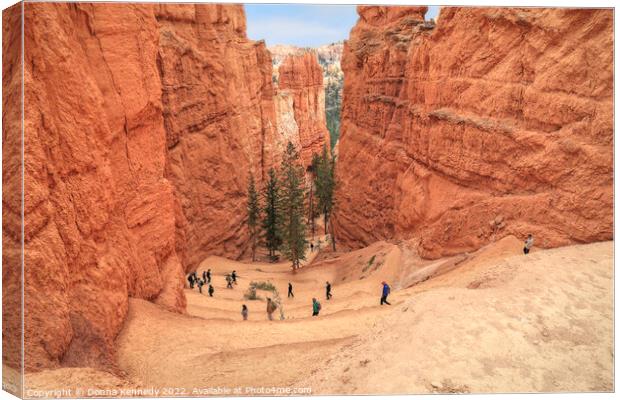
<point>190,279</point>
<point>204,276</point>
<point>290,290</point>
<point>244,312</point>
<point>200,284</point>
<point>316,307</point>
<point>228,282</point>
<point>209,275</point>
<point>328,290</point>
<point>271,307</point>
<point>529,242</point>
<point>311,247</point>
<point>386,292</point>
<point>234,277</point>
<point>211,290</point>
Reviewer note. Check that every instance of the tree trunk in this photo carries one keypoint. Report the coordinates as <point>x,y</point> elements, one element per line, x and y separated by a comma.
<point>311,210</point>
<point>253,248</point>
<point>331,228</point>
<point>325,221</point>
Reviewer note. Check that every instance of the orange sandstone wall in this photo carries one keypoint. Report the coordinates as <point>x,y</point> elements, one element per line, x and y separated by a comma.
<point>142,122</point>
<point>219,118</point>
<point>494,122</point>
<point>11,194</point>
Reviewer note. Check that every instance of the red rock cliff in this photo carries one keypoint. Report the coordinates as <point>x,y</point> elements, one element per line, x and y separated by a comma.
<point>301,77</point>
<point>141,124</point>
<point>494,122</point>
<point>219,117</point>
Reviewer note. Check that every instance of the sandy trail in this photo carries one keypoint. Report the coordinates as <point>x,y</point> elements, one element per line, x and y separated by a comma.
<point>491,321</point>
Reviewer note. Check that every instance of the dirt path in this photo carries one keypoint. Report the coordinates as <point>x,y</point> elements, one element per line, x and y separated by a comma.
<point>491,321</point>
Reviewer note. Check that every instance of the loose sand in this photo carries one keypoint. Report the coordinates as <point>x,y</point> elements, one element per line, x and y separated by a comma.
<point>491,321</point>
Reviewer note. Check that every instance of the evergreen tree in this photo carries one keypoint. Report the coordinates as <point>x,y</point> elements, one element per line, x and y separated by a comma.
<point>311,192</point>
<point>271,219</point>
<point>293,228</point>
<point>325,184</point>
<point>253,215</point>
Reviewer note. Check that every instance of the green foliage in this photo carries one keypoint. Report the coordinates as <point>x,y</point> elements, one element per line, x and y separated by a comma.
<point>370,262</point>
<point>325,184</point>
<point>250,294</point>
<point>333,105</point>
<point>262,285</point>
<point>271,218</point>
<point>292,225</point>
<point>253,209</point>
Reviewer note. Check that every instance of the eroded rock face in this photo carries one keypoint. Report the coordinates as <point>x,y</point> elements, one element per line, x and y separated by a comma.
<point>11,194</point>
<point>220,123</point>
<point>494,122</point>
<point>142,124</point>
<point>99,211</point>
<point>301,77</point>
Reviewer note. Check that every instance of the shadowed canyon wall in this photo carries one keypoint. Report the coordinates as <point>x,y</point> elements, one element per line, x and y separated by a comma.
<point>142,122</point>
<point>493,122</point>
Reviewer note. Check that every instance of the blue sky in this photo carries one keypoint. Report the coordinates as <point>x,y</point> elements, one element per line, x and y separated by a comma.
<point>303,25</point>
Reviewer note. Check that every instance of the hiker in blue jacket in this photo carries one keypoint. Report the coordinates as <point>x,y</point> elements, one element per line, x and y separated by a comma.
<point>386,292</point>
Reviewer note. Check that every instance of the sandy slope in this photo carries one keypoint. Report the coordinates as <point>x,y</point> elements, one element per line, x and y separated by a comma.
<point>490,321</point>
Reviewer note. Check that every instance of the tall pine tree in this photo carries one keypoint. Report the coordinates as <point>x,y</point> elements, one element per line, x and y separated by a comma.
<point>293,227</point>
<point>253,215</point>
<point>325,185</point>
<point>271,215</point>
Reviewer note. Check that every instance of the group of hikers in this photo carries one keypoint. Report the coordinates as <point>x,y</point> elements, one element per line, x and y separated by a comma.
<point>194,280</point>
<point>272,306</point>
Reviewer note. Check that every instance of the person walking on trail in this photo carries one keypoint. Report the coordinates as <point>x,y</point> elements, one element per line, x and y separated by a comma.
<point>316,307</point>
<point>311,247</point>
<point>204,276</point>
<point>228,282</point>
<point>211,290</point>
<point>200,284</point>
<point>190,279</point>
<point>234,277</point>
<point>271,307</point>
<point>290,290</point>
<point>328,290</point>
<point>529,242</point>
<point>244,312</point>
<point>386,292</point>
<point>209,275</point>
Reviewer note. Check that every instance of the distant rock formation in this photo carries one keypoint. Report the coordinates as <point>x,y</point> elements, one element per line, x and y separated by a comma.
<point>497,121</point>
<point>329,57</point>
<point>301,79</point>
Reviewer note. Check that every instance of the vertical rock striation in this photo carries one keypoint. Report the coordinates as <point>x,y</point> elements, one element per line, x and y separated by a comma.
<point>99,211</point>
<point>12,173</point>
<point>142,122</point>
<point>219,117</point>
<point>494,122</point>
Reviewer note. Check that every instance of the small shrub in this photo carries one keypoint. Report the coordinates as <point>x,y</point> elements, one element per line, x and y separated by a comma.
<point>370,262</point>
<point>267,286</point>
<point>250,294</point>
